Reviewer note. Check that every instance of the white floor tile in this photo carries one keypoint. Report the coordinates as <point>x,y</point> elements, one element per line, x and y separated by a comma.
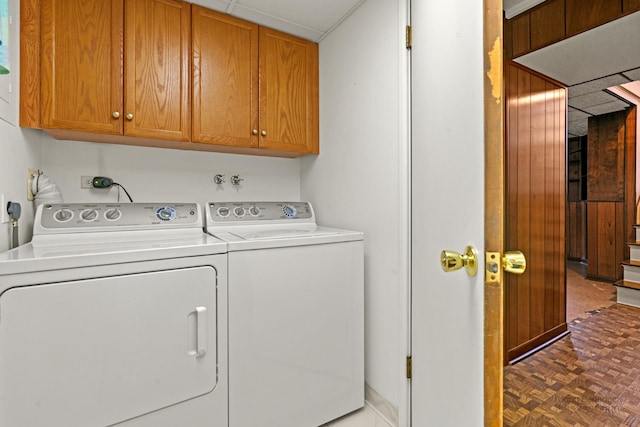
<point>365,417</point>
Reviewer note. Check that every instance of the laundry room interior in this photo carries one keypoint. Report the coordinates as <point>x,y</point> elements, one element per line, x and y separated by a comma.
<point>356,182</point>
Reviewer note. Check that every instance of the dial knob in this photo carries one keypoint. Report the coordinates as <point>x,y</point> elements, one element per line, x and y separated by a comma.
<point>223,211</point>
<point>113,214</point>
<point>63,215</point>
<point>254,211</point>
<point>89,215</point>
<point>289,211</point>
<point>239,211</point>
<point>166,213</point>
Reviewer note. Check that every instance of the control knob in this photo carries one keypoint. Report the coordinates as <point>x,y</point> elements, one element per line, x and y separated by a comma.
<point>289,211</point>
<point>239,211</point>
<point>113,214</point>
<point>89,215</point>
<point>223,211</point>
<point>166,213</point>
<point>254,211</point>
<point>63,215</point>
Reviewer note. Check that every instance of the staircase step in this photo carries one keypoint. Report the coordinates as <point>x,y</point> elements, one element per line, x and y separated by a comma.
<point>634,248</point>
<point>631,271</point>
<point>628,293</point>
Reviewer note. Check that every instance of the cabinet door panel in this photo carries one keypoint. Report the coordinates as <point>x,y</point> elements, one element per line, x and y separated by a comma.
<point>225,79</point>
<point>581,18</point>
<point>288,92</point>
<point>82,64</point>
<point>157,46</point>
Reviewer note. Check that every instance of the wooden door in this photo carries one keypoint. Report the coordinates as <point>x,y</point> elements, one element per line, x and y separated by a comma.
<point>157,69</point>
<point>225,79</point>
<point>535,302</point>
<point>288,92</point>
<point>81,84</point>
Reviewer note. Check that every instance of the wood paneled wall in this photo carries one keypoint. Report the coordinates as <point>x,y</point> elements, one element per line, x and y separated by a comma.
<point>577,230</point>
<point>535,205</point>
<point>555,20</point>
<point>611,165</point>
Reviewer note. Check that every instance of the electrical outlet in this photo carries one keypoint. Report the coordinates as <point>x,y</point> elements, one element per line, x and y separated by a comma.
<point>4,215</point>
<point>86,182</point>
<point>31,174</point>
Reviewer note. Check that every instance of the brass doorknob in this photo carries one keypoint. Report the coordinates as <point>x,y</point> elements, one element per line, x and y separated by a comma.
<point>514,262</point>
<point>452,261</point>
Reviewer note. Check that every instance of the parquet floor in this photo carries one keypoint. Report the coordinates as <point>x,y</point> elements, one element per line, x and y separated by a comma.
<point>590,378</point>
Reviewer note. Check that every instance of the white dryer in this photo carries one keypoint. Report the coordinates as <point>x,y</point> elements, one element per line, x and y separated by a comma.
<point>114,314</point>
<point>296,314</point>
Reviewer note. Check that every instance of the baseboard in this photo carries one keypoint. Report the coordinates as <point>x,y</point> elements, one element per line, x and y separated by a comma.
<point>381,406</point>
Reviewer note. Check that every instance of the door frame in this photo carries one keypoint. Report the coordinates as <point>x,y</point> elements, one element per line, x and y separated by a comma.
<point>494,208</point>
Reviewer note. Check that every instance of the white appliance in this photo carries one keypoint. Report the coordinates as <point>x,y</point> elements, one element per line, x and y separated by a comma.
<point>114,314</point>
<point>296,314</point>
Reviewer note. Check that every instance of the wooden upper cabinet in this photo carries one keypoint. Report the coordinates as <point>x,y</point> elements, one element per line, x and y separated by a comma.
<point>582,17</point>
<point>157,74</point>
<point>89,86</point>
<point>81,80</point>
<point>547,23</point>
<point>225,79</point>
<point>288,92</point>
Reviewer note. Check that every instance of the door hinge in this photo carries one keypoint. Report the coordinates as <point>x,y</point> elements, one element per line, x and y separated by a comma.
<point>409,37</point>
<point>409,366</point>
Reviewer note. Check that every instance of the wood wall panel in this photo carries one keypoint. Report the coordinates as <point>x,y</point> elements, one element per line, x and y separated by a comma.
<point>581,16</point>
<point>521,40</point>
<point>547,23</point>
<point>535,208</point>
<point>629,6</point>
<point>576,226</point>
<point>606,237</point>
<point>606,157</point>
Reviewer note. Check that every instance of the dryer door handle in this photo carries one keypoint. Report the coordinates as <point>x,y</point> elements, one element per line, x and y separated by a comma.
<point>201,331</point>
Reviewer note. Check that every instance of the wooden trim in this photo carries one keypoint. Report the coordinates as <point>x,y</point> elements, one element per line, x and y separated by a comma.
<point>537,74</point>
<point>180,145</point>
<point>30,63</point>
<point>494,208</point>
<point>550,335</point>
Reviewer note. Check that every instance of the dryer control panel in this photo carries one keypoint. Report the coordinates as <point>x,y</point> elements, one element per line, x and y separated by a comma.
<point>72,217</point>
<point>260,212</point>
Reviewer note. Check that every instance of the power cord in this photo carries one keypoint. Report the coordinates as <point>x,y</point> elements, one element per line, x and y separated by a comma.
<point>104,182</point>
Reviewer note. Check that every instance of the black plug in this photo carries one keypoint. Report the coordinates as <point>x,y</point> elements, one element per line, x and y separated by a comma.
<point>101,182</point>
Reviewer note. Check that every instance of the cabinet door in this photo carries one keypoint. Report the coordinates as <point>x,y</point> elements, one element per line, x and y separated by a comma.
<point>156,82</point>
<point>225,79</point>
<point>288,92</point>
<point>82,65</point>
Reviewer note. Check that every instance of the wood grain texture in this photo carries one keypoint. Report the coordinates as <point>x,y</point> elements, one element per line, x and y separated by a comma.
<point>535,206</point>
<point>582,17</point>
<point>547,23</point>
<point>577,231</point>
<point>82,64</point>
<point>521,34</point>
<point>225,79</point>
<point>606,240</point>
<point>30,52</point>
<point>629,6</point>
<point>288,92</point>
<point>494,209</point>
<point>606,157</point>
<point>630,197</point>
<point>157,89</point>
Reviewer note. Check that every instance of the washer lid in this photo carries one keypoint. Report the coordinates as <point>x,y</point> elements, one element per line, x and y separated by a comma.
<point>256,237</point>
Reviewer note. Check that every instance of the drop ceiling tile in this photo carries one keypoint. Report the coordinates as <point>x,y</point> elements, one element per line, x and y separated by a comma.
<point>576,114</point>
<point>633,74</point>
<point>596,85</point>
<point>578,127</point>
<point>608,107</point>
<point>591,99</point>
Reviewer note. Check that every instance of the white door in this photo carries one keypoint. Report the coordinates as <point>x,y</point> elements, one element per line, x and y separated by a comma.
<point>448,185</point>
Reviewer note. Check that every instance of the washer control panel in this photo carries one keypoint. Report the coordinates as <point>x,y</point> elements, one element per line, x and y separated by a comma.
<point>118,215</point>
<point>241,212</point>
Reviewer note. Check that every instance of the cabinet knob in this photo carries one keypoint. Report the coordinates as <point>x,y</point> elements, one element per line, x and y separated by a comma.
<point>115,115</point>
<point>129,116</point>
<point>264,133</point>
<point>254,132</point>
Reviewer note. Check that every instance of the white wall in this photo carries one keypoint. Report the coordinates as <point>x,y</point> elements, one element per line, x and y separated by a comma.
<point>359,181</point>
<point>159,174</point>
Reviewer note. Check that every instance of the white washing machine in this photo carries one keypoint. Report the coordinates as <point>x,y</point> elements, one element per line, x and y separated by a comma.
<point>114,314</point>
<point>296,314</point>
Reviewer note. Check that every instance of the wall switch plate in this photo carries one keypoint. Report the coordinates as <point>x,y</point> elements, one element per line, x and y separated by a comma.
<point>31,174</point>
<point>4,215</point>
<point>86,182</point>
